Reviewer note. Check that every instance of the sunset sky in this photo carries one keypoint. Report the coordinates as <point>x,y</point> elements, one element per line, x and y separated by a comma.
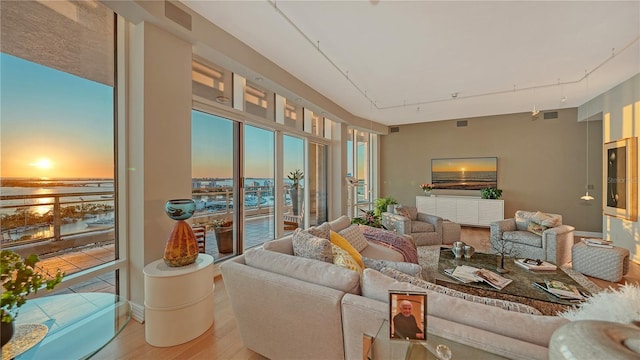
<point>57,125</point>
<point>470,164</point>
<point>53,124</point>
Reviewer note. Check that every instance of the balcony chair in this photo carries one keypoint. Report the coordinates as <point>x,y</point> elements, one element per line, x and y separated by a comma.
<point>534,235</point>
<point>425,229</point>
<point>201,237</point>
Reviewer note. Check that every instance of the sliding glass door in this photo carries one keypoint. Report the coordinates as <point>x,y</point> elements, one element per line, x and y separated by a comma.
<point>214,181</point>
<point>259,191</point>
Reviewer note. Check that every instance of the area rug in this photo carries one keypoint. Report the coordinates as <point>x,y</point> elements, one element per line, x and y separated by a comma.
<point>428,257</point>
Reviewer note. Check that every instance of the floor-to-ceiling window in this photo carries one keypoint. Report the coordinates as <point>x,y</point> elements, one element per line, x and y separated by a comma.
<point>259,190</point>
<point>361,160</point>
<point>293,156</point>
<point>317,183</point>
<point>214,183</point>
<point>58,142</point>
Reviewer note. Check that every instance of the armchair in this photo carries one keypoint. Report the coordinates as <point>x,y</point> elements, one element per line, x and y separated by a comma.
<point>535,235</point>
<point>425,229</point>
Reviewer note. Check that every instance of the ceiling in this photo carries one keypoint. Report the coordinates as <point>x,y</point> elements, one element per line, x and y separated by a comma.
<point>401,62</point>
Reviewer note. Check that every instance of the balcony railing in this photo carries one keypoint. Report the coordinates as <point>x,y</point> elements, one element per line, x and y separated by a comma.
<point>53,222</point>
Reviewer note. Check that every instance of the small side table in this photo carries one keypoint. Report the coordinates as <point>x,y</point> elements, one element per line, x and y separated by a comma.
<point>178,301</point>
<point>603,263</point>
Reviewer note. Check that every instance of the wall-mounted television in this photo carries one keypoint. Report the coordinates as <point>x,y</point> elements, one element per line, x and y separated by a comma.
<point>464,173</point>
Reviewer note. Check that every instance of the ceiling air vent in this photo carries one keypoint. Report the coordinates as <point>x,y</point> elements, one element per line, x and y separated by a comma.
<point>551,115</point>
<point>178,16</point>
<point>461,123</point>
<point>394,129</point>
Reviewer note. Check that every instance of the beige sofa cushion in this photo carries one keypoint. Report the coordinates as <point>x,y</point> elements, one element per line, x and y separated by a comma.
<point>313,271</point>
<point>340,223</point>
<point>355,237</point>
<point>376,286</point>
<point>407,268</point>
<point>309,246</point>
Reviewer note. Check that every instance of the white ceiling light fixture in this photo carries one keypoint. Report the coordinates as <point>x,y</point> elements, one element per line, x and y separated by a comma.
<point>586,196</point>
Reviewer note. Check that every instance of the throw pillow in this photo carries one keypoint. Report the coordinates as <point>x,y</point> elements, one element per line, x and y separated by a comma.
<point>615,305</point>
<point>545,219</point>
<point>354,237</point>
<point>343,259</point>
<point>408,268</point>
<point>403,212</point>
<point>503,304</point>
<point>311,247</point>
<point>536,228</point>
<point>341,242</point>
<point>321,231</point>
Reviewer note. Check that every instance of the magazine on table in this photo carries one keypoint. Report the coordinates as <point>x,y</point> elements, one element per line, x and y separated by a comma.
<point>559,288</point>
<point>466,273</point>
<point>450,271</point>
<point>597,243</point>
<point>535,264</point>
<point>543,286</point>
<point>493,279</point>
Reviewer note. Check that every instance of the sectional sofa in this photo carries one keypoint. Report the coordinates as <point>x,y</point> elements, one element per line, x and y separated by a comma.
<point>290,307</point>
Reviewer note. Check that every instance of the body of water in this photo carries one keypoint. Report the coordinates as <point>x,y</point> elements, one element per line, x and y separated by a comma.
<point>468,180</point>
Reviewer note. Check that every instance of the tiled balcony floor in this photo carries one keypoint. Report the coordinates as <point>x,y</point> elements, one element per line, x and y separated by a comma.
<point>258,230</point>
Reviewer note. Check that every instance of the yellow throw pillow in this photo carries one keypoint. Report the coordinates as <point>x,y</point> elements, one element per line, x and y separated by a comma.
<point>337,239</point>
<point>343,259</point>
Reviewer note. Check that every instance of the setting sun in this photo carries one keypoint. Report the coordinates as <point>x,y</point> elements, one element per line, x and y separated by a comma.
<point>43,164</point>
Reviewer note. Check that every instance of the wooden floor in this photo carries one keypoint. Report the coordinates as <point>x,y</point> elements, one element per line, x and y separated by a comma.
<point>222,340</point>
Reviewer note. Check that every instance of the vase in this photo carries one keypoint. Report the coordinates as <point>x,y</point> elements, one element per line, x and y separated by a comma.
<point>6,332</point>
<point>224,239</point>
<point>181,248</point>
<point>427,192</point>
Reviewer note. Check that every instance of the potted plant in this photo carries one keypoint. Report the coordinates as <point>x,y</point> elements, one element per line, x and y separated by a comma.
<point>426,188</point>
<point>490,193</point>
<point>20,277</point>
<point>382,204</point>
<point>223,228</point>
<point>295,176</point>
<point>369,218</point>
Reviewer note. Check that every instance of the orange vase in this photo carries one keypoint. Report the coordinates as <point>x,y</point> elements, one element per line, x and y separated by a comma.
<point>181,248</point>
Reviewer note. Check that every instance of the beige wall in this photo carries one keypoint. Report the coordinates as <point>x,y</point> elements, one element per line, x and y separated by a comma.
<point>541,163</point>
<point>621,109</point>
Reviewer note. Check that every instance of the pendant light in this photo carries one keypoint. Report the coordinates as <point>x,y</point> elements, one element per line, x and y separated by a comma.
<point>586,196</point>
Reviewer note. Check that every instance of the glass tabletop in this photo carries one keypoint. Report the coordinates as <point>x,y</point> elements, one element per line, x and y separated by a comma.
<point>522,284</point>
<point>79,324</point>
<point>434,348</point>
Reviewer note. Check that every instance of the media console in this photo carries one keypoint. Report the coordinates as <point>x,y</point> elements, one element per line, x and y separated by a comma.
<point>464,210</point>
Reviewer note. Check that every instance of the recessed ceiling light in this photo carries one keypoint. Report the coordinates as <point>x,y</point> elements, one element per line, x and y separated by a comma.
<point>222,99</point>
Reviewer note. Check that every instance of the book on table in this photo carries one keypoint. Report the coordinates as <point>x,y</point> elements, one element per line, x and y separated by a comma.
<point>562,290</point>
<point>493,279</point>
<point>465,273</point>
<point>535,264</point>
<point>468,274</point>
<point>597,243</point>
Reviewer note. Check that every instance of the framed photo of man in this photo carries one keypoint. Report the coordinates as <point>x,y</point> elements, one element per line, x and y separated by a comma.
<point>407,315</point>
<point>621,178</point>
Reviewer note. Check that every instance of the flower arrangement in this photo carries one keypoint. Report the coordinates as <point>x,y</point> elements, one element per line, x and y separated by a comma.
<point>368,218</point>
<point>220,223</point>
<point>426,187</point>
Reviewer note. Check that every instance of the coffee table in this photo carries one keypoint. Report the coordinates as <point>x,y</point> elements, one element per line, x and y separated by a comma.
<point>382,347</point>
<point>79,324</point>
<point>520,287</point>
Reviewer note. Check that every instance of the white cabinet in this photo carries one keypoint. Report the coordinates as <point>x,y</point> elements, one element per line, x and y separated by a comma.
<point>178,301</point>
<point>463,210</point>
